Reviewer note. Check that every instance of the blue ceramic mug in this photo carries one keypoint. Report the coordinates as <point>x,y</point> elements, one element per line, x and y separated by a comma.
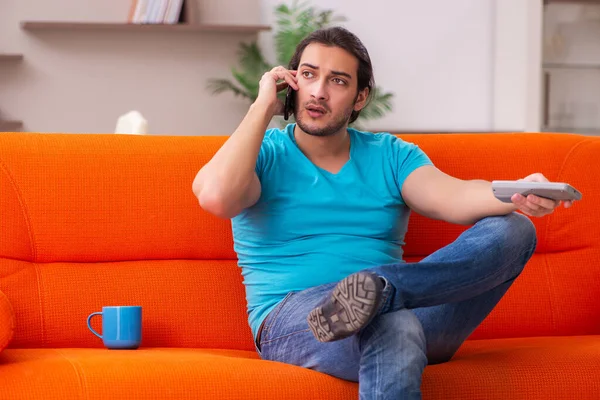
<point>121,326</point>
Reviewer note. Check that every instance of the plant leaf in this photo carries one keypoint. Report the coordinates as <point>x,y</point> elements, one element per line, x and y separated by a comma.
<point>380,104</point>
<point>252,60</point>
<point>218,86</point>
<point>249,82</point>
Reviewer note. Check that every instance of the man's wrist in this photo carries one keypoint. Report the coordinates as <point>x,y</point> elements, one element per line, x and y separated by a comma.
<point>512,207</point>
<point>264,105</point>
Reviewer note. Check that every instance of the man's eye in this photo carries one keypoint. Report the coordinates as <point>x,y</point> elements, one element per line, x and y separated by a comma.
<point>339,81</point>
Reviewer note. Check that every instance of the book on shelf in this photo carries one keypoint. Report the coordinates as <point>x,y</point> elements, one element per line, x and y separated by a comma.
<point>155,11</point>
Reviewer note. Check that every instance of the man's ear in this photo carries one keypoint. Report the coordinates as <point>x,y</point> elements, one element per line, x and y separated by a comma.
<point>361,99</point>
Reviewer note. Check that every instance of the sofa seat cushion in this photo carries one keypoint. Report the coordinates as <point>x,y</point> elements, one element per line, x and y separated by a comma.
<point>548,368</point>
<point>159,373</point>
<point>7,321</point>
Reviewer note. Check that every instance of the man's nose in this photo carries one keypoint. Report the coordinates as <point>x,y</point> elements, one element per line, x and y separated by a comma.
<point>319,90</point>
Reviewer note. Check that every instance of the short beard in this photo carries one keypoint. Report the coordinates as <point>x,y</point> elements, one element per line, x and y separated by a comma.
<point>328,130</point>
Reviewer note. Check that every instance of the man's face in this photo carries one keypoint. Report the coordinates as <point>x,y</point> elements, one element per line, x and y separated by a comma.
<point>327,90</point>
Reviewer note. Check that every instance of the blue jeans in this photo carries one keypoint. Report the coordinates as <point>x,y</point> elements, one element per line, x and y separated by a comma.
<point>429,309</point>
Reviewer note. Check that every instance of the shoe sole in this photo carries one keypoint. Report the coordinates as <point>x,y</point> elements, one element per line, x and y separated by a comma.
<point>352,305</point>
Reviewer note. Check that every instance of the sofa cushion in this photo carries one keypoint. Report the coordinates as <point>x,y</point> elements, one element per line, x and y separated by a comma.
<point>545,367</point>
<point>7,321</point>
<point>159,373</point>
<point>186,303</point>
<point>551,368</point>
<point>131,196</point>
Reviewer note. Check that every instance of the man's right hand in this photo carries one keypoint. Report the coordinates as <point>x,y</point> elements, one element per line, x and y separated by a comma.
<point>271,83</point>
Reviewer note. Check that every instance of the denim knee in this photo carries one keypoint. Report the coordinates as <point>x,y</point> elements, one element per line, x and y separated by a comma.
<point>394,329</point>
<point>393,357</point>
<point>522,236</point>
<point>514,233</point>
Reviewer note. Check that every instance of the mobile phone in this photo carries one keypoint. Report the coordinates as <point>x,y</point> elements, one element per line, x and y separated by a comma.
<point>288,107</point>
<point>504,190</point>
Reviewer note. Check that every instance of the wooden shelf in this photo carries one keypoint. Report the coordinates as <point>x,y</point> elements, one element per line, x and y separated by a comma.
<point>581,131</point>
<point>10,126</point>
<point>104,26</point>
<point>11,57</point>
<point>571,66</point>
<point>572,1</point>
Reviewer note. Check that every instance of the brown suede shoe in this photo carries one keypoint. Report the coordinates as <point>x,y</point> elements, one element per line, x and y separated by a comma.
<point>352,304</point>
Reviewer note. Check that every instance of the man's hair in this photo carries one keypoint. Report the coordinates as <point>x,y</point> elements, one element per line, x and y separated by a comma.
<point>342,38</point>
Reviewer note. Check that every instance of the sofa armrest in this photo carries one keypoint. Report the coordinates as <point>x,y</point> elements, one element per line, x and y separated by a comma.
<point>7,321</point>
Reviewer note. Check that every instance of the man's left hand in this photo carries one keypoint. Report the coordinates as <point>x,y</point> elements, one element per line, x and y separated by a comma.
<point>536,206</point>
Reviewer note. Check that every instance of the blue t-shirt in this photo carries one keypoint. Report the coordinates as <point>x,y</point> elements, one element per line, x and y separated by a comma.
<point>311,227</point>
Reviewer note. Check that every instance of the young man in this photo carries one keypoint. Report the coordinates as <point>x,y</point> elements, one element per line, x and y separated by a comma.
<point>319,212</point>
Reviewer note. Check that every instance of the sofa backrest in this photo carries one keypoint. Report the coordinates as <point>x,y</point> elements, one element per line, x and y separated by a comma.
<point>91,220</point>
<point>98,220</point>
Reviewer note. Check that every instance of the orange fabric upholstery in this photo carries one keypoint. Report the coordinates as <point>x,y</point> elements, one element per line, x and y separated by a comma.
<point>91,220</point>
<point>128,195</point>
<point>516,369</point>
<point>551,368</point>
<point>7,321</point>
<point>179,299</point>
<point>159,373</point>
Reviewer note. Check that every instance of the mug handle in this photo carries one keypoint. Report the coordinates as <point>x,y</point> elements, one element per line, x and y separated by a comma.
<point>90,327</point>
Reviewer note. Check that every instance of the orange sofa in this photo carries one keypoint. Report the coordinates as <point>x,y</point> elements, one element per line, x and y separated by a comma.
<point>93,220</point>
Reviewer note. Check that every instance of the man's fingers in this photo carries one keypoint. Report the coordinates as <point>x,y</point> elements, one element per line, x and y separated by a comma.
<point>291,80</point>
<point>529,211</point>
<point>280,73</point>
<point>521,200</point>
<point>282,85</point>
<point>280,68</point>
<point>531,207</point>
<point>279,79</point>
<point>526,206</point>
<point>540,202</point>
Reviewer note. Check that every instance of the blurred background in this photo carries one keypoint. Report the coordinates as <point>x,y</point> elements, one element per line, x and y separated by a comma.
<point>190,67</point>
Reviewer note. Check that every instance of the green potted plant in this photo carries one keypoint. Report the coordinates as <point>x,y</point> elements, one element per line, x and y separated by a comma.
<point>293,22</point>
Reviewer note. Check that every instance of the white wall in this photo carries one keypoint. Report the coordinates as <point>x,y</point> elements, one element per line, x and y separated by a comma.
<point>438,57</point>
<point>517,69</point>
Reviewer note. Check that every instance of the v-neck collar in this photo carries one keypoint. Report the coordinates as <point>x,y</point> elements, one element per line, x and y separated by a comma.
<point>291,128</point>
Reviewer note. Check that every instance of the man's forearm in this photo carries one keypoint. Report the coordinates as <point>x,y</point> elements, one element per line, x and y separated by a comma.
<point>477,201</point>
